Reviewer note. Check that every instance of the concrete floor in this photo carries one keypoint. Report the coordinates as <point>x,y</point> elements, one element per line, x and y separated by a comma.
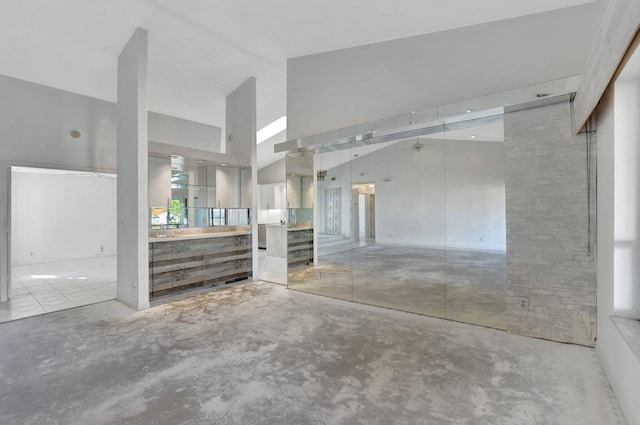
<point>463,285</point>
<point>43,288</point>
<point>260,354</point>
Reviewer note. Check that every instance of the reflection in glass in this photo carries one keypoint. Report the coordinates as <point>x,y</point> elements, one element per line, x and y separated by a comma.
<point>476,226</point>
<point>403,267</point>
<point>319,235</point>
<point>200,194</point>
<point>272,254</point>
<point>416,224</point>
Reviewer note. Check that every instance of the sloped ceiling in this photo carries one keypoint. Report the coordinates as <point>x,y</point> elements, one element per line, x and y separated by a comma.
<point>200,50</point>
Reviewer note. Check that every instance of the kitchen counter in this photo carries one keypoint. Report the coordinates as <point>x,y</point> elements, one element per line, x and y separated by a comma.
<point>276,240</point>
<point>198,260</point>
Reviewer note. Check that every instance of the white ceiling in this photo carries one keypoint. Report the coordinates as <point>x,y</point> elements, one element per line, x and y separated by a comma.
<point>200,50</point>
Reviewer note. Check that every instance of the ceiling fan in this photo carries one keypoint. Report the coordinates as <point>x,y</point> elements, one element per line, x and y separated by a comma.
<point>421,144</point>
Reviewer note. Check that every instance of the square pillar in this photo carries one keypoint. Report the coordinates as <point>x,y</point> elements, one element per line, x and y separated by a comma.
<point>240,140</point>
<point>132,153</point>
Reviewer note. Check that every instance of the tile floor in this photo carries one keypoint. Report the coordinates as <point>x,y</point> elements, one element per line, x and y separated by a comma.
<point>43,288</point>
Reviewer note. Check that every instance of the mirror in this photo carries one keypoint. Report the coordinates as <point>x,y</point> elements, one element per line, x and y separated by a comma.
<point>320,258</point>
<point>476,222</point>
<point>416,224</point>
<point>401,185</point>
<point>187,192</point>
<point>272,230</point>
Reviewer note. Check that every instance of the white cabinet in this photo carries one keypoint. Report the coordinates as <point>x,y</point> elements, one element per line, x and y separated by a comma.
<point>227,187</point>
<point>245,188</point>
<point>159,182</point>
<point>266,197</point>
<point>294,185</point>
<point>272,196</point>
<point>307,192</point>
<point>207,180</point>
<point>279,196</point>
<point>299,192</point>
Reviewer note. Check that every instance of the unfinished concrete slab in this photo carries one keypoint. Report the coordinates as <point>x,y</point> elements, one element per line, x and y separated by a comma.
<point>258,353</point>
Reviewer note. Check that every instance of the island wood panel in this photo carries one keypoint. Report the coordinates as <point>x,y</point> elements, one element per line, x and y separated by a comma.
<point>299,246</point>
<point>176,265</point>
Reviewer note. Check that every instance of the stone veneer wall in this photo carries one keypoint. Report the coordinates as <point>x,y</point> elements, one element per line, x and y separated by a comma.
<point>551,285</point>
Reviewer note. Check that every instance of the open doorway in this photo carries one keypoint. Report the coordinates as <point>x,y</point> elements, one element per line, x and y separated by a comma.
<point>63,240</point>
<point>366,203</point>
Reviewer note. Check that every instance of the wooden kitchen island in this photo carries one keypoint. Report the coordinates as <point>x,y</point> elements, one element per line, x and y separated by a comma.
<point>179,262</point>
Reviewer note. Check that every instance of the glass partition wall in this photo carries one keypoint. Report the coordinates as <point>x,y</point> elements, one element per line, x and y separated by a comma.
<point>414,223</point>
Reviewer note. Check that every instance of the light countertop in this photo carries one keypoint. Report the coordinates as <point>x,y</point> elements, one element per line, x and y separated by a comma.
<point>296,228</point>
<point>199,236</point>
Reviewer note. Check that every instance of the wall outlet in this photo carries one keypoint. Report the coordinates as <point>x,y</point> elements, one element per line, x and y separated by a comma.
<point>523,304</point>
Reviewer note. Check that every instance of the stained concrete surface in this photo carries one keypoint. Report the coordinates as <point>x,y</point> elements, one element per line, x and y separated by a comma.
<point>260,354</point>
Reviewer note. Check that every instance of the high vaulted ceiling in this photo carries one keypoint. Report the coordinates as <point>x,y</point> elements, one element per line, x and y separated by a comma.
<point>200,50</point>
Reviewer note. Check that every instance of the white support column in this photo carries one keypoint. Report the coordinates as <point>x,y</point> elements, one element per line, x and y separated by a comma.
<point>5,229</point>
<point>241,128</point>
<point>132,146</point>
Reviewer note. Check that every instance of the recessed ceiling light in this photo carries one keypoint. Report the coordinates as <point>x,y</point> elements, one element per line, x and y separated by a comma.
<point>223,165</point>
<point>468,111</point>
<point>413,112</point>
<point>473,136</point>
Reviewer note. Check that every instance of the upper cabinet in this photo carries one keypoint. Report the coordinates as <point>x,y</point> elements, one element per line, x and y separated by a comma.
<point>265,201</point>
<point>299,192</point>
<point>245,188</point>
<point>159,176</point>
<point>307,193</point>
<point>233,187</point>
<point>294,198</point>
<point>272,196</point>
<point>227,187</point>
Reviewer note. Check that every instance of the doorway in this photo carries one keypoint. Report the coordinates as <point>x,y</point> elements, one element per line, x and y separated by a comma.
<point>63,240</point>
<point>366,212</point>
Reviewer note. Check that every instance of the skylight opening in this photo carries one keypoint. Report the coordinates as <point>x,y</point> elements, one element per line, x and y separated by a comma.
<point>272,129</point>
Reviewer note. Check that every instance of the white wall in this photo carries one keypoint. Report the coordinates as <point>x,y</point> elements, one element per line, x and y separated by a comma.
<point>475,195</point>
<point>36,120</point>
<point>424,203</point>
<point>62,216</point>
<point>619,362</point>
<point>326,91</point>
<point>275,172</point>
<point>177,131</point>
